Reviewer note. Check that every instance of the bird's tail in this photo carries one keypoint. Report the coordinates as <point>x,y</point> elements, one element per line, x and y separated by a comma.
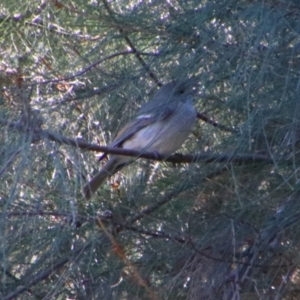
<point>110,168</point>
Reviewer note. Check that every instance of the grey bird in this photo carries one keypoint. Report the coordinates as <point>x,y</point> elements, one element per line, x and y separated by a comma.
<point>161,126</point>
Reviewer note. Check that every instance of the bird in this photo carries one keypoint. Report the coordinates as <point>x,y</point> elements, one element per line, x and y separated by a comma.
<point>161,126</point>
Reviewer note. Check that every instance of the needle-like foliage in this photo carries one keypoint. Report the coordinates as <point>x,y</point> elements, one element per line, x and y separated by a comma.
<point>221,223</point>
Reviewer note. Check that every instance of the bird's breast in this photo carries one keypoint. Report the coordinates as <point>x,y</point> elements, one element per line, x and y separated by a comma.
<point>165,136</point>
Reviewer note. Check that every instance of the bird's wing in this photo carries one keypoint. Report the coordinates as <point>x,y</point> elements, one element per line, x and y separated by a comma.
<point>140,122</point>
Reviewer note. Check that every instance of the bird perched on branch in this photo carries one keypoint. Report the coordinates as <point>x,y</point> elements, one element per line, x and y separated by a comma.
<point>161,126</point>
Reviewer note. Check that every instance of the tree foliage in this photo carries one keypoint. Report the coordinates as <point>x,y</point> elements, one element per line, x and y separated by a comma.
<point>223,223</point>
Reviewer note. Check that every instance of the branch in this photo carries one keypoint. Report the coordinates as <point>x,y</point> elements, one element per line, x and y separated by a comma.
<point>131,45</point>
<point>148,210</point>
<point>175,158</point>
<point>215,123</point>
<point>36,279</point>
<point>45,273</point>
<point>84,94</point>
<point>9,161</point>
<point>168,197</point>
<point>105,217</point>
<point>269,240</point>
<point>18,17</point>
<point>86,69</point>
<point>157,234</point>
<point>237,159</point>
<point>66,217</point>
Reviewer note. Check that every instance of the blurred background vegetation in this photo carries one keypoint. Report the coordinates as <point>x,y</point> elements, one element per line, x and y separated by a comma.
<point>223,227</point>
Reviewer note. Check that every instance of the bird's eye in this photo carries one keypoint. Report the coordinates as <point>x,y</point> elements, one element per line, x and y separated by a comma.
<point>181,91</point>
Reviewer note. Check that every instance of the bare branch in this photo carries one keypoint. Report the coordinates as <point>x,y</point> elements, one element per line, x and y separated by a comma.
<point>148,210</point>
<point>38,278</point>
<point>131,45</point>
<point>176,158</point>
<point>215,123</point>
<point>86,69</point>
<point>157,234</point>
<point>9,161</point>
<point>237,159</point>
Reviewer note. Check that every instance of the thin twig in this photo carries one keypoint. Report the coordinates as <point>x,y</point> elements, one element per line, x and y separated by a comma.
<point>131,45</point>
<point>157,234</point>
<point>86,69</point>
<point>44,274</point>
<point>285,280</point>
<point>9,161</point>
<point>152,208</point>
<point>215,123</point>
<point>121,253</point>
